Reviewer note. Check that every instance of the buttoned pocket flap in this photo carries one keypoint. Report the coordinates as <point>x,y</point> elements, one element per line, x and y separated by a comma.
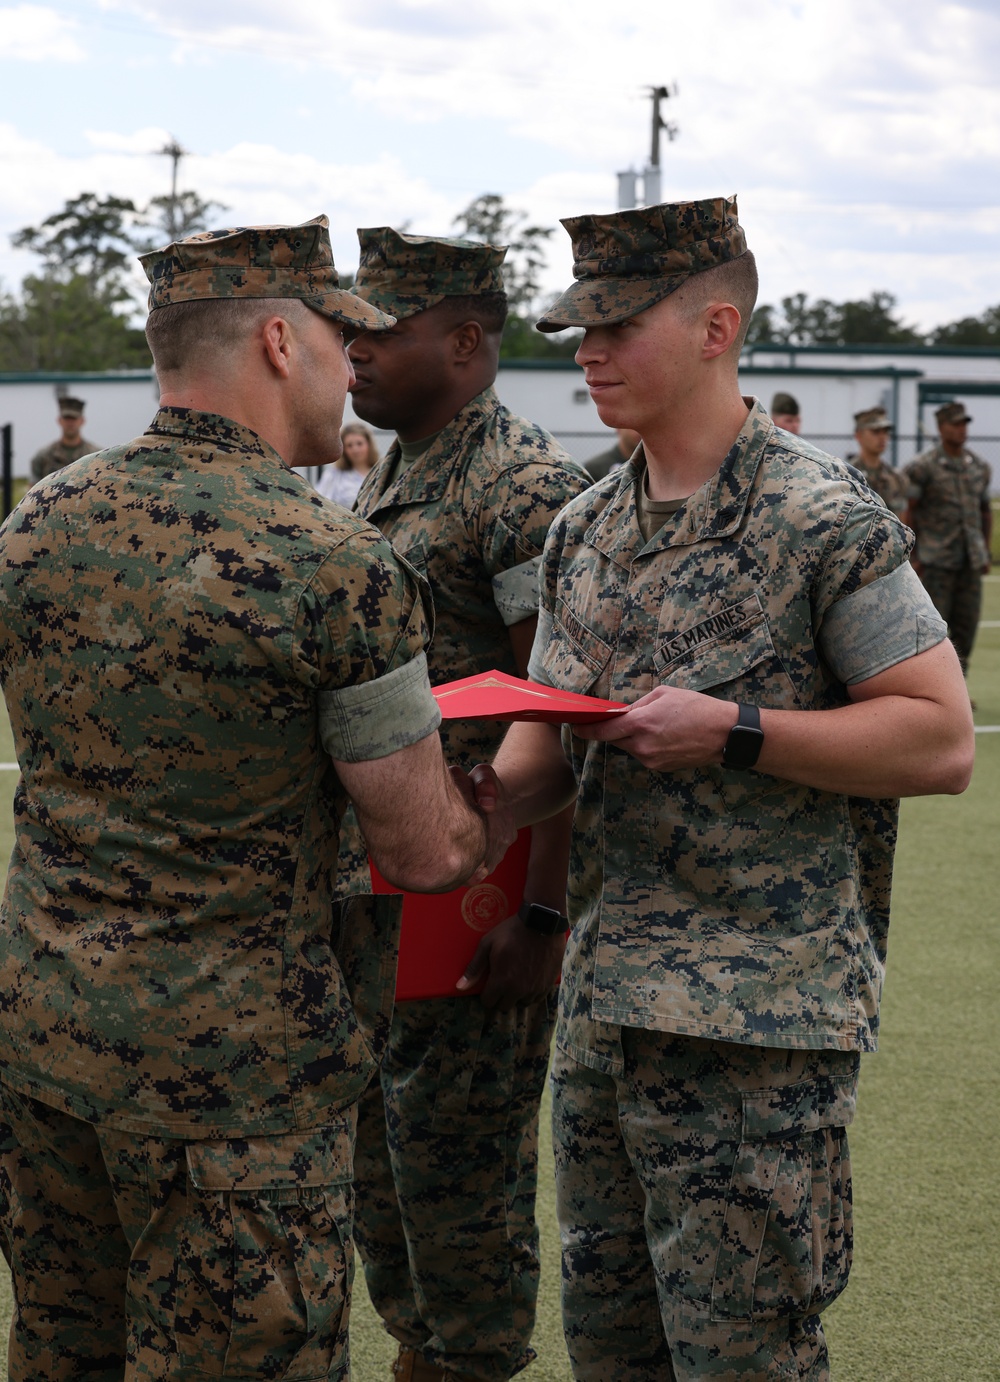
<point>571,636</point>
<point>724,647</point>
<point>799,1108</point>
<point>287,1161</point>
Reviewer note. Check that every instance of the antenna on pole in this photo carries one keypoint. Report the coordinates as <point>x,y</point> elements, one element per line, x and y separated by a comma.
<point>175,153</point>
<point>628,182</point>
<point>658,94</point>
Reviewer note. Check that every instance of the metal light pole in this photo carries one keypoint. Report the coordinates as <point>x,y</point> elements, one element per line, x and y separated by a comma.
<point>650,176</point>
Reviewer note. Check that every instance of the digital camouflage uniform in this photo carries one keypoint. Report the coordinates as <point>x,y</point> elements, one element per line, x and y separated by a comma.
<point>729,928</point>
<point>447,1159</point>
<point>949,494</point>
<point>888,483</point>
<point>604,462</point>
<point>188,633</point>
<point>54,457</point>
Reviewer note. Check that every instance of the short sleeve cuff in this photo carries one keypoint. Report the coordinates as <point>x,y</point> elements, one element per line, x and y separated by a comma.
<point>543,636</point>
<point>375,718</point>
<point>880,625</point>
<point>515,592</point>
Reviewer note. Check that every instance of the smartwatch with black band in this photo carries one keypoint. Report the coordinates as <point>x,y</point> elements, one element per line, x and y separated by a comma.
<point>546,921</point>
<point>746,738</point>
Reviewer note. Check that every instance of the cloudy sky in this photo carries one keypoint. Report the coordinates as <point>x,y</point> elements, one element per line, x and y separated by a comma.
<point>862,136</point>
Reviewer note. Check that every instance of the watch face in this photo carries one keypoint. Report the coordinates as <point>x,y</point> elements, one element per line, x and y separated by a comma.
<point>742,747</point>
<point>545,920</point>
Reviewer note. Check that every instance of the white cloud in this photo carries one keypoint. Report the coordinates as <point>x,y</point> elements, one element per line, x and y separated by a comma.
<point>33,33</point>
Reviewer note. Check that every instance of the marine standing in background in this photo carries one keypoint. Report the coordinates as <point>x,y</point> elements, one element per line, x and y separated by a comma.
<point>70,446</point>
<point>949,510</point>
<point>202,661</point>
<point>872,430</point>
<point>787,679</point>
<point>615,456</point>
<point>446,1168</point>
<point>785,413</point>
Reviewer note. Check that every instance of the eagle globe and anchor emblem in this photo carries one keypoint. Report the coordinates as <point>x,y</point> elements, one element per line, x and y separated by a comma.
<point>483,906</point>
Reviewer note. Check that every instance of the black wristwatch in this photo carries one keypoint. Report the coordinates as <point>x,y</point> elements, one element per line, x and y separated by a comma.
<point>545,920</point>
<point>746,738</point>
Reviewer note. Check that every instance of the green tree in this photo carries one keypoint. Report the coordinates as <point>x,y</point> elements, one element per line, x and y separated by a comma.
<point>490,220</point>
<point>971,331</point>
<point>74,314</point>
<point>67,323</point>
<point>868,321</point>
<point>762,329</point>
<point>174,217</point>
<point>873,321</point>
<point>91,237</point>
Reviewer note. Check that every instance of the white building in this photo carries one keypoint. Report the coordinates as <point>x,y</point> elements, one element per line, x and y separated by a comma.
<point>831,384</point>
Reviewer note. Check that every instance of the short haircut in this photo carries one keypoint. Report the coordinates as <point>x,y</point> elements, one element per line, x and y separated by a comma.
<point>488,309</point>
<point>185,332</point>
<point>735,282</point>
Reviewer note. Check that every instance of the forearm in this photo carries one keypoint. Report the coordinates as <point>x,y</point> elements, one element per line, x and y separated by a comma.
<point>896,746</point>
<point>537,778</point>
<point>907,732</point>
<point>422,832</point>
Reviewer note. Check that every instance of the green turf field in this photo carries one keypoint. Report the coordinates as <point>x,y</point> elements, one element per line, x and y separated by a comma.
<point>924,1300</point>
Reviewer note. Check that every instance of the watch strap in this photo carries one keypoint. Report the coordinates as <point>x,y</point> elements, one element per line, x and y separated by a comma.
<point>745,741</point>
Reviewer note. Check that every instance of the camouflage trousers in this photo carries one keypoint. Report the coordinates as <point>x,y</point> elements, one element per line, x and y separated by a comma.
<point>958,598</point>
<point>704,1201</point>
<point>137,1258</point>
<point>445,1176</point>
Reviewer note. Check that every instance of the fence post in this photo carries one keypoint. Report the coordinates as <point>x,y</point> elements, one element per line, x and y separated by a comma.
<point>7,433</point>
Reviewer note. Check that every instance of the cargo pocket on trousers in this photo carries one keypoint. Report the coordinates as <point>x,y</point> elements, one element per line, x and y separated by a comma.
<point>265,1259</point>
<point>787,1236</point>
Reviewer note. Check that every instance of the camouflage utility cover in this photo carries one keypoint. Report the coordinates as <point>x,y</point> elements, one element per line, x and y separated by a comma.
<point>715,902</point>
<point>875,419</point>
<point>257,262</point>
<point>182,620</point>
<point>952,412</point>
<point>471,514</point>
<point>404,274</point>
<point>949,494</point>
<point>627,261</point>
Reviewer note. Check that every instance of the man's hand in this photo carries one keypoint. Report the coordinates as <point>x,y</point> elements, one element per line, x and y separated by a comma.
<point>669,730</point>
<point>522,965</point>
<point>484,792</point>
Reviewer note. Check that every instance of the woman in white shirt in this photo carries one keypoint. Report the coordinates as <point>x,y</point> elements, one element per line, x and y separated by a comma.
<point>342,480</point>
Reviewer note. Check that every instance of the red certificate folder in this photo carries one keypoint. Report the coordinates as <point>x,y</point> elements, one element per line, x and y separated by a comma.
<point>497,696</point>
<point>440,931</point>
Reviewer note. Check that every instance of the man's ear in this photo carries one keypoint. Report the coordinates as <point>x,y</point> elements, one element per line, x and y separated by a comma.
<point>722,326</point>
<point>276,339</point>
<point>466,338</point>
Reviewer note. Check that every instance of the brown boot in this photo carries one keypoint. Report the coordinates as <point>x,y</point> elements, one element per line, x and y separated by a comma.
<point>411,1366</point>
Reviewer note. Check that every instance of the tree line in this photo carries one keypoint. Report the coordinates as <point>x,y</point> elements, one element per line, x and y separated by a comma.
<point>77,312</point>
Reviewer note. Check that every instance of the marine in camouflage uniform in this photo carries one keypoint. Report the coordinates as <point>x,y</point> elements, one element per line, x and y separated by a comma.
<point>447,1158</point>
<point>872,430</point>
<point>70,446</point>
<point>729,923</point>
<point>200,656</point>
<point>949,488</point>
